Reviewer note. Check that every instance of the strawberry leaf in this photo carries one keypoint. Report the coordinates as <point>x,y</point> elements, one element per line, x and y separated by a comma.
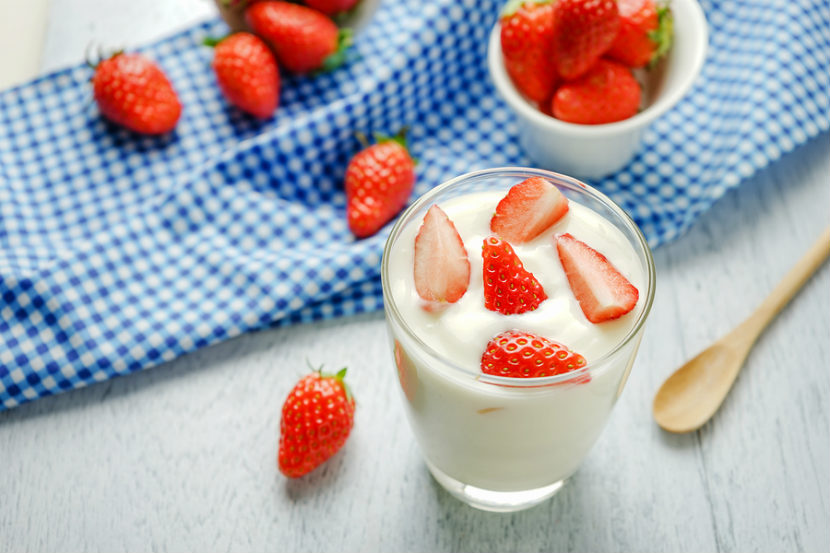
<point>663,35</point>
<point>338,58</point>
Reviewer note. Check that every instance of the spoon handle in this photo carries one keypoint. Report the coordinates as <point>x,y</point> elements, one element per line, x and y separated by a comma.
<point>786,289</point>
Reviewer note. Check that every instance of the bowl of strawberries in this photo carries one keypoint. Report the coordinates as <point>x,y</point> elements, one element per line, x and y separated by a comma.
<point>587,77</point>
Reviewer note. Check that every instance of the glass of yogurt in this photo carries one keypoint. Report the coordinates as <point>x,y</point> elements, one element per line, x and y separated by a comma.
<point>505,443</point>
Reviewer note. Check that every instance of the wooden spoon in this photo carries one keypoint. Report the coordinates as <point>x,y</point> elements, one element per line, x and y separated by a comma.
<point>690,396</point>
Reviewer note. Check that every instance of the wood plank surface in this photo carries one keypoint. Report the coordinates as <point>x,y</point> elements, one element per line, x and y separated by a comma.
<point>182,457</point>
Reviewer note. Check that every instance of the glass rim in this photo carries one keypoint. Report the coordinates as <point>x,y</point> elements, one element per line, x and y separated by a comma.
<point>519,172</point>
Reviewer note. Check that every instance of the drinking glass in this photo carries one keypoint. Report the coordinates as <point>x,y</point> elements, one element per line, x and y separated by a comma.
<point>499,443</point>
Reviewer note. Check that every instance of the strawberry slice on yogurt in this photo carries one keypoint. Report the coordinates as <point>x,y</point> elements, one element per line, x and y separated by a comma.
<point>442,266</point>
<point>602,291</point>
<point>528,210</point>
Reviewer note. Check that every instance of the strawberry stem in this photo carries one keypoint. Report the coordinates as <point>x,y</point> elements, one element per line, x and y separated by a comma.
<point>87,57</point>
<point>364,141</point>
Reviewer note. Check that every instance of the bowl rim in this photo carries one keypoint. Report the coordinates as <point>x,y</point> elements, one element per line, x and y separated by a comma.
<point>504,85</point>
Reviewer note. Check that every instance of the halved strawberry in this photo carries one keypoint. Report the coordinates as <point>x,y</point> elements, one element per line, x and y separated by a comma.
<point>528,209</point>
<point>509,288</point>
<point>519,354</point>
<point>442,268</point>
<point>602,291</point>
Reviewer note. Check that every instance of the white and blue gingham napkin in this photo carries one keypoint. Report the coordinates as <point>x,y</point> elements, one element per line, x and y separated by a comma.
<point>118,252</point>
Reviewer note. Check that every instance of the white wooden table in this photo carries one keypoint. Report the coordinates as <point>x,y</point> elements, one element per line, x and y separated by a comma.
<point>182,457</point>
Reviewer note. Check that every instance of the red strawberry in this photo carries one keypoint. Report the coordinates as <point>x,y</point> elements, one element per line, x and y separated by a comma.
<point>509,288</point>
<point>602,292</point>
<point>645,33</point>
<point>528,209</point>
<point>332,7</point>
<point>133,91</point>
<point>303,38</point>
<point>442,268</point>
<point>527,47</point>
<point>317,417</point>
<point>583,31</point>
<point>519,354</point>
<point>379,180</point>
<point>247,73</point>
<point>607,93</point>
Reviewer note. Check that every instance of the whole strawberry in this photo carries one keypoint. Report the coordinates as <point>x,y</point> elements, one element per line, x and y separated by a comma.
<point>583,31</point>
<point>518,354</point>
<point>247,74</point>
<point>134,92</point>
<point>527,46</point>
<point>379,181</point>
<point>607,93</point>
<point>509,288</point>
<point>317,417</point>
<point>303,38</point>
<point>645,33</point>
<point>332,7</point>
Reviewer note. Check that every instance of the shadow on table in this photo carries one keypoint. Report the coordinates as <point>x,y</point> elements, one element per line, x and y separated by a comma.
<point>555,524</point>
<point>317,482</point>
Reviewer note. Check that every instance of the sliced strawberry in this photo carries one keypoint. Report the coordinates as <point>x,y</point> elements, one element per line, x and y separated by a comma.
<point>509,288</point>
<point>602,292</point>
<point>528,209</point>
<point>519,354</point>
<point>442,268</point>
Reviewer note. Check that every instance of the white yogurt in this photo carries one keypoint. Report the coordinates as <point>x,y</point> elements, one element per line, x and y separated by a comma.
<point>495,437</point>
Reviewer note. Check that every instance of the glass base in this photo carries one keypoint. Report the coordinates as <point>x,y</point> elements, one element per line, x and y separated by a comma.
<point>488,500</point>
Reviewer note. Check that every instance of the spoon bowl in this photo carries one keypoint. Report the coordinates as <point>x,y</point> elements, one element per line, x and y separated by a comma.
<point>690,396</point>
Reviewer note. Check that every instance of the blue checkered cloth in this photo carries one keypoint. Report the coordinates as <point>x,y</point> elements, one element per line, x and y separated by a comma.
<point>119,252</point>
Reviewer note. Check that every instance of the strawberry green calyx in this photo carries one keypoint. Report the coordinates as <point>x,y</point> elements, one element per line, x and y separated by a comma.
<point>663,35</point>
<point>101,56</point>
<point>512,6</point>
<point>400,138</point>
<point>380,138</point>
<point>338,58</point>
<point>212,41</point>
<point>340,377</point>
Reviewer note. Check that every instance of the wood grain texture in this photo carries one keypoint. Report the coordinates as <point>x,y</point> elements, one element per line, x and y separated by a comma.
<point>182,457</point>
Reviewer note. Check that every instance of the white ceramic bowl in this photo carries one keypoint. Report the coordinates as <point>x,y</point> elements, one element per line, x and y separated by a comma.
<point>593,151</point>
